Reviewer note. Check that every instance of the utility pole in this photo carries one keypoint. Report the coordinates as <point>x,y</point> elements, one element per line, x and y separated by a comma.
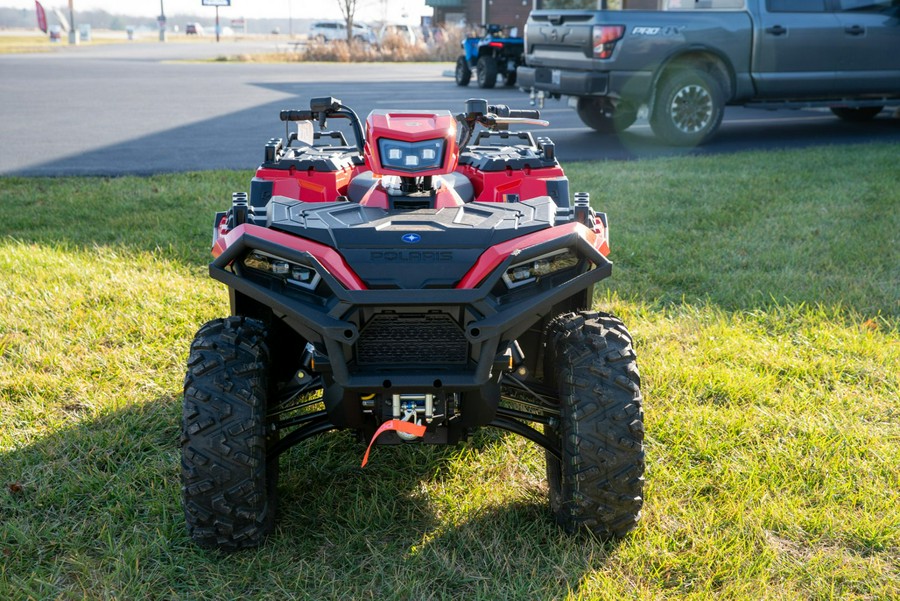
<point>73,35</point>
<point>162,22</point>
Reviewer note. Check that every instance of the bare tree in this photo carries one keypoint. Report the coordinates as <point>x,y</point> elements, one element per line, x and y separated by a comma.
<point>348,11</point>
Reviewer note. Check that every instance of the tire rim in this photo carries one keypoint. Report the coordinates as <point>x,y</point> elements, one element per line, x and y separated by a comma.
<point>692,109</point>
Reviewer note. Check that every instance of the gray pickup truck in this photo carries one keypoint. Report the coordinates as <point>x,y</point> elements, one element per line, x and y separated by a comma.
<point>687,62</point>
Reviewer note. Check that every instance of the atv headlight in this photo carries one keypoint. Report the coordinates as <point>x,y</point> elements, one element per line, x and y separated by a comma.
<point>534,269</point>
<point>292,273</point>
<point>411,156</point>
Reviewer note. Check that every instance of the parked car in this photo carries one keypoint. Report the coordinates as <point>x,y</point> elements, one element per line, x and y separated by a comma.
<point>329,31</point>
<point>193,29</point>
<point>402,31</point>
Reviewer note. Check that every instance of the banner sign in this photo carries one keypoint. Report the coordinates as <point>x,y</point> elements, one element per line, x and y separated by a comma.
<point>41,16</point>
<point>216,2</point>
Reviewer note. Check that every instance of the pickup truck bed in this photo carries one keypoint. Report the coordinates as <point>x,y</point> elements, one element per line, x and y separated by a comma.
<point>686,64</point>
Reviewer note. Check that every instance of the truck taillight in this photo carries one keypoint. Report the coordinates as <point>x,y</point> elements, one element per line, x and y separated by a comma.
<point>605,38</point>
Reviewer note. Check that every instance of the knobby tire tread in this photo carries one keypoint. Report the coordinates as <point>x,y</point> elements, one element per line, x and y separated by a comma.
<point>599,483</point>
<point>227,487</point>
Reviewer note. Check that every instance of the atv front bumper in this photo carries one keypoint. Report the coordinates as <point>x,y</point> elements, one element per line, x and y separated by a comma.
<point>402,340</point>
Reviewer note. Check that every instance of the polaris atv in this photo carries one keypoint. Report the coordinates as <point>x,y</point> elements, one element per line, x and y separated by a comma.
<point>489,56</point>
<point>410,287</point>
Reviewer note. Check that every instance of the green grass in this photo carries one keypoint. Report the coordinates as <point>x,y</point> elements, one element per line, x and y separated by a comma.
<point>763,291</point>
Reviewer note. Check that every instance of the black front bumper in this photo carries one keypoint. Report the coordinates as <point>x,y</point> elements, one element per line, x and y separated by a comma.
<point>487,324</point>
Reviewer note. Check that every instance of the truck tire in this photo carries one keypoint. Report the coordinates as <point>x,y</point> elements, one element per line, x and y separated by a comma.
<point>598,113</point>
<point>688,108</point>
<point>487,72</point>
<point>510,78</point>
<point>863,113</point>
<point>463,73</point>
<point>599,483</point>
<point>228,486</point>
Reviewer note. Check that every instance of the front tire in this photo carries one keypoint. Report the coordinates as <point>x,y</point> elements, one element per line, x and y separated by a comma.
<point>688,108</point>
<point>463,73</point>
<point>599,483</point>
<point>228,481</point>
<point>487,72</point>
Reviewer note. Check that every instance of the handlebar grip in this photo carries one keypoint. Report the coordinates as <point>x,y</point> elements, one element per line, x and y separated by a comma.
<point>525,114</point>
<point>297,116</point>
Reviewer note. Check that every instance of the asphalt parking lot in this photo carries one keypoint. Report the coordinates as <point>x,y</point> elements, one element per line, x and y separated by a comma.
<point>150,107</point>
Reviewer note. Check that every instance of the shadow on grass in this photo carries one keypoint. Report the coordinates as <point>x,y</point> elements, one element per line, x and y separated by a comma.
<point>94,508</point>
<point>81,503</point>
<point>427,522</point>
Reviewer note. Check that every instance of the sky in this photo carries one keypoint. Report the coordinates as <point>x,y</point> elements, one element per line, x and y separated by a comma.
<point>370,10</point>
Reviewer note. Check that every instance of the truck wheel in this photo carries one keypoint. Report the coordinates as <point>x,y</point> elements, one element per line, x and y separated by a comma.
<point>487,72</point>
<point>510,79</point>
<point>863,113</point>
<point>688,108</point>
<point>228,486</point>
<point>598,113</point>
<point>599,483</point>
<point>463,73</point>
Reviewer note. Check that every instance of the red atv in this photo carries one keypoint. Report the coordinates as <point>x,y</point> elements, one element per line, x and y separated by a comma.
<point>411,287</point>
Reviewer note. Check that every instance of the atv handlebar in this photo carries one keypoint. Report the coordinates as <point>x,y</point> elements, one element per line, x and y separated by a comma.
<point>321,109</point>
<point>493,117</point>
<point>477,111</point>
<point>493,121</point>
<point>297,116</point>
<point>504,111</point>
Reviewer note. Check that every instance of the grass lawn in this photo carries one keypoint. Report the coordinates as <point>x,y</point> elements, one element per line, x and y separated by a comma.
<point>11,43</point>
<point>17,44</point>
<point>763,292</point>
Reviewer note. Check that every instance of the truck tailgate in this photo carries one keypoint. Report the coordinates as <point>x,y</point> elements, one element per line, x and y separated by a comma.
<point>565,39</point>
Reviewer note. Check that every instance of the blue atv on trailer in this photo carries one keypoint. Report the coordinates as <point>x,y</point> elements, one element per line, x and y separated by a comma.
<point>490,56</point>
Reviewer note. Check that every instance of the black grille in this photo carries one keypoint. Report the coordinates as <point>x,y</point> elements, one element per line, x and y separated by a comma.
<point>412,339</point>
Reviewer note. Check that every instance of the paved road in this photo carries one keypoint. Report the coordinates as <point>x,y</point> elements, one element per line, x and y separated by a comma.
<point>143,108</point>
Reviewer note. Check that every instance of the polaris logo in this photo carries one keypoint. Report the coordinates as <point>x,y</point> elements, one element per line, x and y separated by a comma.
<point>411,256</point>
<point>411,238</point>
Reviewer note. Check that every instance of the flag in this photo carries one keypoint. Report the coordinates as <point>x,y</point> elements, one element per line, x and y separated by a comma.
<point>41,16</point>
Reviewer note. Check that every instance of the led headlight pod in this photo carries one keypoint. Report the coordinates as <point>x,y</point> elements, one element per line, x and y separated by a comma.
<point>292,273</point>
<point>411,156</point>
<point>533,270</point>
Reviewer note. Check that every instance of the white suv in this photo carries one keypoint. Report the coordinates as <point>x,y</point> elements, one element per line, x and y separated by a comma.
<point>329,31</point>
<point>405,32</point>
